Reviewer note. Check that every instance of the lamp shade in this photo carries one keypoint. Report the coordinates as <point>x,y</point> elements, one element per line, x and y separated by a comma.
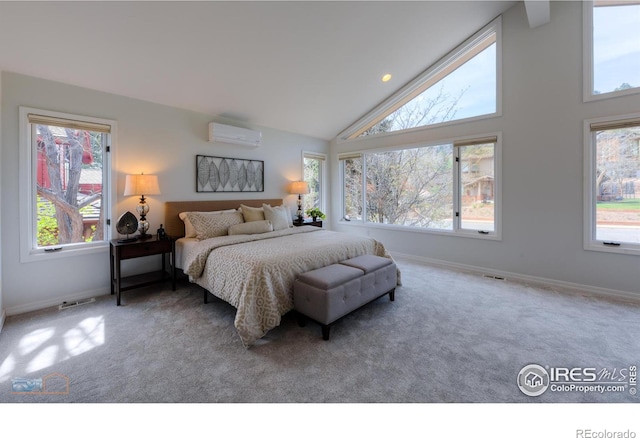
<point>141,185</point>
<point>299,188</point>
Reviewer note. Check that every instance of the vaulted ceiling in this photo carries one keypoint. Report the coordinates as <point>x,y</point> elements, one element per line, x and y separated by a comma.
<point>302,66</point>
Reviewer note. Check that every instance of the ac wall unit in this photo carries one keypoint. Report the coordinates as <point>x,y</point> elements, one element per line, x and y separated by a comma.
<point>219,133</point>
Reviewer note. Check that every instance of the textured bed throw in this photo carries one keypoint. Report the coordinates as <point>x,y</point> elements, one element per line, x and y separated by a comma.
<point>255,273</point>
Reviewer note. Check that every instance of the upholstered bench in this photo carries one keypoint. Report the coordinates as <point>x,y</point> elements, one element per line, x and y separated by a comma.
<point>329,293</point>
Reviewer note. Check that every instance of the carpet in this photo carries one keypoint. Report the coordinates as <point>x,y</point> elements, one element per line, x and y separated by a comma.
<point>449,337</point>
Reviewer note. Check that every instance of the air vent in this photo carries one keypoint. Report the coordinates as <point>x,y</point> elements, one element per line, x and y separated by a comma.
<point>68,305</point>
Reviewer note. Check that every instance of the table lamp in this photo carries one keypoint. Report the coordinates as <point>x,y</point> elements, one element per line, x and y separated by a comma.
<point>299,188</point>
<point>141,185</point>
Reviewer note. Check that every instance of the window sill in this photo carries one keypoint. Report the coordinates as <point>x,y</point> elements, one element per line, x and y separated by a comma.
<point>626,249</point>
<point>39,255</point>
<point>473,234</point>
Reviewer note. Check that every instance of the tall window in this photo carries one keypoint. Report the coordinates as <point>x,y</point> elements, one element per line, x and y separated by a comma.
<point>613,184</point>
<point>463,85</point>
<point>352,167</point>
<point>477,187</point>
<point>447,187</point>
<point>66,170</point>
<point>313,164</point>
<point>612,47</point>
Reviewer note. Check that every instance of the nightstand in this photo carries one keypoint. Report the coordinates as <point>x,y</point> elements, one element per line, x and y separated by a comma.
<point>141,248</point>
<point>317,223</point>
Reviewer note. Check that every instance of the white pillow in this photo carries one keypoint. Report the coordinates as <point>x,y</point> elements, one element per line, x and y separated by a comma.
<point>213,225</point>
<point>253,227</point>
<point>279,216</point>
<point>251,213</point>
<point>188,228</point>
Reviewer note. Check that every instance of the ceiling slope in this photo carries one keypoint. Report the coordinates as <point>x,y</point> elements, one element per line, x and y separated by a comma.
<point>306,67</point>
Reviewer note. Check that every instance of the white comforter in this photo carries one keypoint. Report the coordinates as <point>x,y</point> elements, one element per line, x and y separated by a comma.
<point>255,273</point>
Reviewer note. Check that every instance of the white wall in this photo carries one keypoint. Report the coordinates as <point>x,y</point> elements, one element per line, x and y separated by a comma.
<point>152,139</point>
<point>542,121</point>
<point>2,312</point>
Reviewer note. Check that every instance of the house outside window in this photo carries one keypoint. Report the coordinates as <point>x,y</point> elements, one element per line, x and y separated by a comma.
<point>612,184</point>
<point>66,174</point>
<point>450,187</point>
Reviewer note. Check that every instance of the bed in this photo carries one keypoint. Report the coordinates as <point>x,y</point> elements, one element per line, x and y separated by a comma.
<point>254,272</point>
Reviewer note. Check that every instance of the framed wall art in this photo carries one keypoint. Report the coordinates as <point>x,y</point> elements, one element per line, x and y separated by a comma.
<point>217,174</point>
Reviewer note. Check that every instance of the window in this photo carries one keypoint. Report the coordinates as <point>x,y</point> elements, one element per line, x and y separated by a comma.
<point>463,85</point>
<point>477,184</point>
<point>352,199</point>
<point>314,175</point>
<point>65,174</point>
<point>449,187</point>
<point>612,193</point>
<point>612,48</point>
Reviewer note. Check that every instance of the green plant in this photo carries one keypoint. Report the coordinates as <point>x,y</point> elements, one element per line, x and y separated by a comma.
<point>315,213</point>
<point>47,223</point>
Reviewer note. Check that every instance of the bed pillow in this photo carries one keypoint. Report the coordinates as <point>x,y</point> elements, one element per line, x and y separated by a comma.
<point>253,227</point>
<point>279,216</point>
<point>213,225</point>
<point>252,213</point>
<point>189,231</point>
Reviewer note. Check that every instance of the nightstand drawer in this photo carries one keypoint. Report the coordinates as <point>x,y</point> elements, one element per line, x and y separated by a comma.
<point>142,249</point>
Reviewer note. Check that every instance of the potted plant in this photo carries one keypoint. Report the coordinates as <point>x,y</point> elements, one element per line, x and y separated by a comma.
<point>315,213</point>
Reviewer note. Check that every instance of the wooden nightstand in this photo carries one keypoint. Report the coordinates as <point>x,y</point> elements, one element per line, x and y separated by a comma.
<point>308,222</point>
<point>141,248</point>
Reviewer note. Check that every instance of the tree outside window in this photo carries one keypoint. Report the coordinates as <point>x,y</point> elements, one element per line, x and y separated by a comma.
<point>69,185</point>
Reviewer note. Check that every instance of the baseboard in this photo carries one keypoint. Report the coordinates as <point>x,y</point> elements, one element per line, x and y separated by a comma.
<point>39,305</point>
<point>528,279</point>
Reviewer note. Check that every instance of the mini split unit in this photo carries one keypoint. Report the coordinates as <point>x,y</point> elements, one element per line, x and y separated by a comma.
<point>219,133</point>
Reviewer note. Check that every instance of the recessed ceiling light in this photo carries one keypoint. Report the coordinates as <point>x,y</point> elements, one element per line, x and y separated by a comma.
<point>386,78</point>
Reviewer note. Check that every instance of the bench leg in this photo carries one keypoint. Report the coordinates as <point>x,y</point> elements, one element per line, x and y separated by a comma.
<point>392,294</point>
<point>325,332</point>
<point>302,320</point>
<point>206,296</point>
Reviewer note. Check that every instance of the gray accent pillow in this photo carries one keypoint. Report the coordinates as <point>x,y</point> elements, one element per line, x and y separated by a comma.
<point>279,216</point>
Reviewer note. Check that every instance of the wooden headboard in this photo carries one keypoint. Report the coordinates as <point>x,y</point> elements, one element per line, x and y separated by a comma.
<point>174,226</point>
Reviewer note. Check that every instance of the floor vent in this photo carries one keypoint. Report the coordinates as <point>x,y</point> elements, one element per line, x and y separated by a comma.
<point>495,277</point>
<point>67,305</point>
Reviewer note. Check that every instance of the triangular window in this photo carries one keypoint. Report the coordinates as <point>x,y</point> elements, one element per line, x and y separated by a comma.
<point>462,85</point>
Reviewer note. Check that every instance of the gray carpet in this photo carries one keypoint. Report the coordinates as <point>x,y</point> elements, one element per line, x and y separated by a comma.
<point>448,337</point>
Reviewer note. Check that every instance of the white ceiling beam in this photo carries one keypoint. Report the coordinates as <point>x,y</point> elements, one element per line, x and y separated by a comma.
<point>538,12</point>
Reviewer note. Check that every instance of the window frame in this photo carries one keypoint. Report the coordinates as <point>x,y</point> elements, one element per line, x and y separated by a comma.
<point>403,95</point>
<point>588,67</point>
<point>29,252</point>
<point>456,230</point>
<point>590,242</point>
<point>323,175</point>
